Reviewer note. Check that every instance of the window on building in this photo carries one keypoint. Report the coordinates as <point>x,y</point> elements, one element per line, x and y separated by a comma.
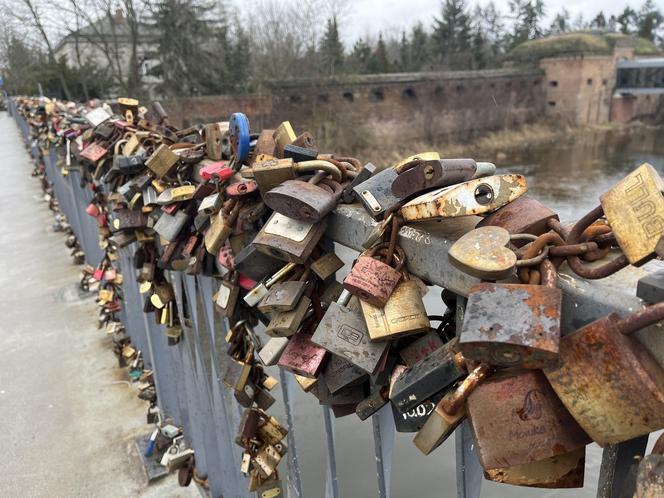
<point>348,96</point>
<point>408,94</point>
<point>553,83</point>
<point>376,95</point>
<point>552,103</point>
<point>295,98</point>
<point>439,92</point>
<point>536,82</point>
<point>460,88</point>
<point>589,81</point>
<point>323,97</point>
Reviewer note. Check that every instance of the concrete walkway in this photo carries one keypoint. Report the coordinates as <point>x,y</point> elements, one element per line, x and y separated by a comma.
<point>67,428</point>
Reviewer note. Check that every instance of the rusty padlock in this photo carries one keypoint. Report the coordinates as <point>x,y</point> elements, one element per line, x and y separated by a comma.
<point>517,418</point>
<point>650,477</point>
<point>304,201</point>
<point>371,279</point>
<point>514,324</point>
<point>609,381</point>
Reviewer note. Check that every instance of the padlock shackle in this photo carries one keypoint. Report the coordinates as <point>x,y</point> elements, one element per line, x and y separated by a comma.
<point>658,449</point>
<point>575,263</point>
<point>327,166</point>
<point>453,401</point>
<point>641,319</point>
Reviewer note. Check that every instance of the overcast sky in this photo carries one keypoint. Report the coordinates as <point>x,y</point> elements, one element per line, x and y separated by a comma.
<point>369,17</point>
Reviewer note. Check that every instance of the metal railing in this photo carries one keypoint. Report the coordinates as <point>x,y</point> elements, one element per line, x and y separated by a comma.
<point>187,376</point>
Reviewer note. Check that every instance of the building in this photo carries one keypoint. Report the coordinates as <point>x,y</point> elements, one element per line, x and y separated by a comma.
<point>107,44</point>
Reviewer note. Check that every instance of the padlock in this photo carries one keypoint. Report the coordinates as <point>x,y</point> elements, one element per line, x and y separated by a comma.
<point>517,418</point>
<point>221,227</point>
<point>420,348</point>
<point>339,373</point>
<point>216,172</point>
<point>371,404</point>
<point>514,324</point>
<point>483,253</point>
<point>327,265</point>
<point>560,471</point>
<point>272,488</point>
<point>270,431</point>
<point>213,135</point>
<point>343,331</point>
<point>162,162</point>
<point>634,208</point>
<point>650,476</point>
<point>227,295</point>
<point>307,384</point>
<point>129,165</point>
<point>403,314</point>
<point>272,173</point>
<point>265,145</point>
<point>270,353</point>
<point>126,219</point>
<point>284,296</point>
<point>347,395</point>
<point>302,357</point>
<point>376,195</point>
<point>413,420</point>
<point>299,154</point>
<point>283,136</point>
<point>248,427</point>
<point>523,215</point>
<point>651,287</point>
<point>609,381</point>
<point>373,280</point>
<point>176,455</point>
<point>349,196</point>
<point>286,323</point>
<point>474,197</point>
<point>419,175</point>
<point>176,194</point>
<point>449,411</point>
<point>254,296</point>
<point>288,239</point>
<point>432,374</point>
<point>304,201</point>
<point>169,226</point>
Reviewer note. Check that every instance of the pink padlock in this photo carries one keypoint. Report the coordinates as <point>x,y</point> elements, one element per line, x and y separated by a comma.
<point>92,209</point>
<point>98,274</point>
<point>246,283</point>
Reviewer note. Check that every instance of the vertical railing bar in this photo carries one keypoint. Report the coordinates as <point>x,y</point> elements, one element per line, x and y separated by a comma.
<point>294,478</point>
<point>331,481</point>
<point>383,433</point>
<point>617,474</point>
<point>468,469</point>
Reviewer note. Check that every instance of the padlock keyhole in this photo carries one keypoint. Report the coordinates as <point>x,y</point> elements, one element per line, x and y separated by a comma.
<point>484,194</point>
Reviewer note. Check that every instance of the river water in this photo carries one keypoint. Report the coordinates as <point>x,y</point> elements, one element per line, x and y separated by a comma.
<point>568,176</point>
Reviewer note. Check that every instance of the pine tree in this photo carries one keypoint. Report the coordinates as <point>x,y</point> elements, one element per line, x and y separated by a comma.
<point>626,20</point>
<point>561,23</point>
<point>378,62</point>
<point>420,55</point>
<point>331,49</point>
<point>405,61</point>
<point>599,22</point>
<point>528,15</point>
<point>452,35</point>
<point>648,21</point>
<point>358,59</point>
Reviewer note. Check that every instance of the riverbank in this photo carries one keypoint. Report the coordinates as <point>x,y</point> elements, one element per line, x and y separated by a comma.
<point>507,146</point>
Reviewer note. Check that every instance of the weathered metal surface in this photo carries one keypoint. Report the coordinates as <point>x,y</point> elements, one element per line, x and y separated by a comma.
<point>479,196</point>
<point>427,377</point>
<point>651,288</point>
<point>634,208</point>
<point>288,239</point>
<point>340,372</point>
<point>301,200</point>
<point>344,332</point>
<point>512,324</point>
<point>483,253</point>
<point>301,356</point>
<point>372,280</point>
<point>522,215</point>
<point>561,471</point>
<point>517,419</point>
<point>609,382</point>
<point>376,193</point>
<point>617,473</point>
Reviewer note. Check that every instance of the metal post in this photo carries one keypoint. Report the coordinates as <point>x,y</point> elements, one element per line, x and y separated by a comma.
<point>331,479</point>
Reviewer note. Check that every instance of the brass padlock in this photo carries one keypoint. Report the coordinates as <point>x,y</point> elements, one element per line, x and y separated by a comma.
<point>517,418</point>
<point>286,323</point>
<point>609,381</point>
<point>373,280</point>
<point>327,265</point>
<point>221,227</point>
<point>227,295</point>
<point>634,208</point>
<point>474,197</point>
<point>162,162</point>
<point>283,135</point>
<point>403,314</point>
<point>514,324</point>
<point>284,296</point>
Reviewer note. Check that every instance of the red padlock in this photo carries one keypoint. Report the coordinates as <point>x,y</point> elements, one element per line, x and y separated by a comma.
<point>93,210</point>
<point>216,171</point>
